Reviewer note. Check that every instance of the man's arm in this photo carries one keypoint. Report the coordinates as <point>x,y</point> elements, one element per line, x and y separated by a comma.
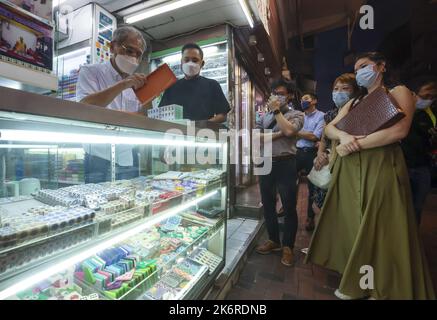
<point>105,97</point>
<point>316,135</point>
<point>273,136</point>
<point>307,136</point>
<point>286,127</point>
<point>220,104</point>
<point>218,118</point>
<point>87,84</point>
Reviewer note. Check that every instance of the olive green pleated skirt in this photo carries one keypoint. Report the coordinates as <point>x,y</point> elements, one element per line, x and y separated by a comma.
<point>367,224</point>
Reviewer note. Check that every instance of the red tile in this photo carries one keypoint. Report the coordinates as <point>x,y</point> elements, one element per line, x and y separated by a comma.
<point>289,288</point>
<point>273,295</point>
<point>306,289</point>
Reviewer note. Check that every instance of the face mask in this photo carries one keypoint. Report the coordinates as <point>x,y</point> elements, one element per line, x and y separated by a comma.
<point>340,98</point>
<point>366,77</point>
<point>422,104</point>
<point>126,64</point>
<point>305,105</point>
<point>191,69</point>
<point>282,99</point>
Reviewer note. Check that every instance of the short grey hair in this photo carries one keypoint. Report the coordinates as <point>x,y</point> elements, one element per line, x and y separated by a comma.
<point>122,33</point>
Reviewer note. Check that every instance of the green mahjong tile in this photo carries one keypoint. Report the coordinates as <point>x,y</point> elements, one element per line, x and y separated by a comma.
<point>89,276</point>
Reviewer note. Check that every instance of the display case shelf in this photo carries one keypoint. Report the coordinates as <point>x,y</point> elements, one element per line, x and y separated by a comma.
<point>28,13</point>
<point>138,227</point>
<point>137,291</point>
<point>65,259</point>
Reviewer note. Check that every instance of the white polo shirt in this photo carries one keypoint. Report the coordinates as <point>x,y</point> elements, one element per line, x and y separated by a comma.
<point>97,77</point>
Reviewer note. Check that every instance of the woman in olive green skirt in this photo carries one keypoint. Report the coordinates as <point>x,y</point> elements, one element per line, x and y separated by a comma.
<point>367,231</point>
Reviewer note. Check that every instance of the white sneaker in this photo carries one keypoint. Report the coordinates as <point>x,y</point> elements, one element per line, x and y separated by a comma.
<point>304,250</point>
<point>342,296</point>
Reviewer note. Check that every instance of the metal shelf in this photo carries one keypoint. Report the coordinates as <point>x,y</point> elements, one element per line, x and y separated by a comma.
<point>29,14</point>
<point>38,79</point>
<point>92,246</point>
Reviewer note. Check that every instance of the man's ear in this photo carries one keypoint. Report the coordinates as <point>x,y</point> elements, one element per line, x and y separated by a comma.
<point>203,63</point>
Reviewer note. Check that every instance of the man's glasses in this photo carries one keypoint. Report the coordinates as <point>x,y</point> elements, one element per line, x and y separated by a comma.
<point>133,52</point>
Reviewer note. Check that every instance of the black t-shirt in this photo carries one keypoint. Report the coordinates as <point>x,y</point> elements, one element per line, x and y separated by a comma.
<point>417,144</point>
<point>201,98</point>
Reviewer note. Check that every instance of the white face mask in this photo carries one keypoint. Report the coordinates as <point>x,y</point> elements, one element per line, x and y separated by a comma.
<point>191,69</point>
<point>126,64</point>
<point>422,104</point>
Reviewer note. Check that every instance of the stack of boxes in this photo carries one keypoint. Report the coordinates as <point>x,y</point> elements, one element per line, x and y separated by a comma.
<point>167,113</point>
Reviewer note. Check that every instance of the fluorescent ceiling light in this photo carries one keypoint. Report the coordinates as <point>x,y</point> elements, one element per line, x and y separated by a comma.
<point>65,264</point>
<point>177,57</point>
<point>26,146</point>
<point>246,11</point>
<point>76,53</point>
<point>172,59</point>
<point>210,50</point>
<point>148,13</point>
<point>61,137</point>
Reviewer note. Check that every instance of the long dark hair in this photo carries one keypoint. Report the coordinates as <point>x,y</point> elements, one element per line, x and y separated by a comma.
<point>376,57</point>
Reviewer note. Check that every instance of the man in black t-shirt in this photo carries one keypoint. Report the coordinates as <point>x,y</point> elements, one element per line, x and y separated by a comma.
<point>201,98</point>
<point>417,145</point>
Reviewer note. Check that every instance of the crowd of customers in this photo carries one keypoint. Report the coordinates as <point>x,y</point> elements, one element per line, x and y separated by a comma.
<point>369,215</point>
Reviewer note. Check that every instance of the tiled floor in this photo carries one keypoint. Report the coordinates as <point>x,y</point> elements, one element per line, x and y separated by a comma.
<point>248,196</point>
<point>264,277</point>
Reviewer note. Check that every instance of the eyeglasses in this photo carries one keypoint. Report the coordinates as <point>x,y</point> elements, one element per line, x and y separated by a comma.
<point>133,52</point>
<point>278,93</point>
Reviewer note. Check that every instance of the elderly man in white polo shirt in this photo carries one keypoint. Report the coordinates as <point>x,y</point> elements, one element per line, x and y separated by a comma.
<point>110,85</point>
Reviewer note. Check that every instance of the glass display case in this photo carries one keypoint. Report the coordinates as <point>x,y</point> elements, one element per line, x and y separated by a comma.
<point>93,206</point>
<point>245,122</point>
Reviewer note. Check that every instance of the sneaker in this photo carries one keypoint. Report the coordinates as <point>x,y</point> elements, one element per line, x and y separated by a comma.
<point>304,250</point>
<point>342,296</point>
<point>268,247</point>
<point>309,226</point>
<point>287,256</point>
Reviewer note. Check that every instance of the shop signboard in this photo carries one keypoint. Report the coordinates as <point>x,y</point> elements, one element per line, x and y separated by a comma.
<point>41,8</point>
<point>264,13</point>
<point>25,40</point>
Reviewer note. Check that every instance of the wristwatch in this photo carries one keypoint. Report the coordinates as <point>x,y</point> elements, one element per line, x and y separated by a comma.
<point>276,112</point>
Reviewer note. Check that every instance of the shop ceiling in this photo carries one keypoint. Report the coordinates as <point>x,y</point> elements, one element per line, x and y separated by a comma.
<point>305,17</point>
<point>196,16</point>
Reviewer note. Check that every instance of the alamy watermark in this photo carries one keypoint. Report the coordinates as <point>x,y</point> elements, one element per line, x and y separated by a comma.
<point>367,281</point>
<point>210,147</point>
<point>367,21</point>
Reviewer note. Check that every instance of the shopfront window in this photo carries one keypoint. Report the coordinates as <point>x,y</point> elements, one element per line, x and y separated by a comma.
<point>244,123</point>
